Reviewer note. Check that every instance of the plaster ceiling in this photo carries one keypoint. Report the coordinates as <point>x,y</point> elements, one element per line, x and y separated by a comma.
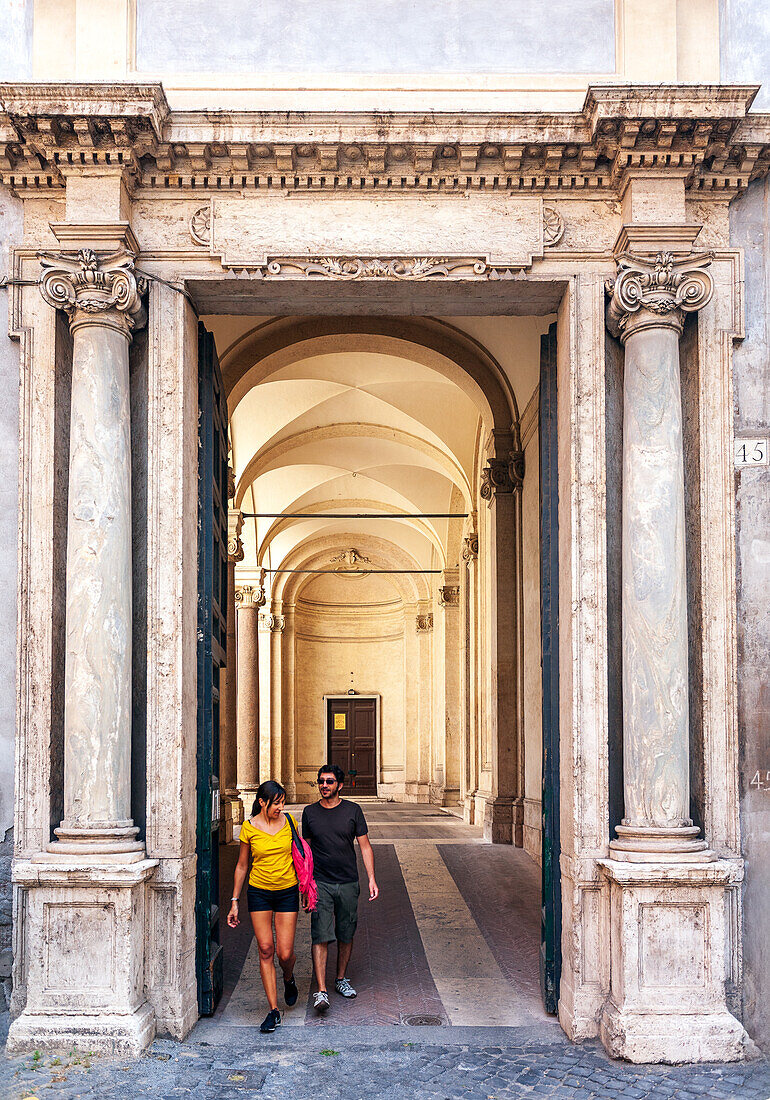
<point>352,432</point>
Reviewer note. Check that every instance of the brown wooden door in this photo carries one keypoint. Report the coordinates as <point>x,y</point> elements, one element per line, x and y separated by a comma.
<point>352,726</point>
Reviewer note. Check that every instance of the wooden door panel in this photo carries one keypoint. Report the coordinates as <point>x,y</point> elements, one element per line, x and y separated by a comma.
<point>352,742</point>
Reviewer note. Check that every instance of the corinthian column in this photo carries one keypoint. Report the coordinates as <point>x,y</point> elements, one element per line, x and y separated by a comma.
<point>248,600</point>
<point>647,309</point>
<point>102,296</point>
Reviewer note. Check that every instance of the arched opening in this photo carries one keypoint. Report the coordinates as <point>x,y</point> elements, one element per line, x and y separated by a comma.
<point>385,571</point>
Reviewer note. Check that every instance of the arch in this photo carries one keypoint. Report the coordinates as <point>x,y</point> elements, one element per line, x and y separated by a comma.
<point>286,587</point>
<point>435,344</point>
<point>423,527</point>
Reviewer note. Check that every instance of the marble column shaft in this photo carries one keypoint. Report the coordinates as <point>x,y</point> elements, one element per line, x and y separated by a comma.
<point>647,311</point>
<point>101,294</point>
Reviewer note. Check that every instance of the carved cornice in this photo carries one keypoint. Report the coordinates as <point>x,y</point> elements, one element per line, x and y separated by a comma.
<point>249,595</point>
<point>94,289</point>
<point>471,548</point>
<point>502,475</point>
<point>50,130</point>
<point>656,293</point>
<point>424,623</point>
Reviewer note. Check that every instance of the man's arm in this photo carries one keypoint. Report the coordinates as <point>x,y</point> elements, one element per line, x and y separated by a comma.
<point>367,854</point>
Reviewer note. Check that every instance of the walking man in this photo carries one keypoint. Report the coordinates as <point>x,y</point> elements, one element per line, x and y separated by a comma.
<point>331,826</point>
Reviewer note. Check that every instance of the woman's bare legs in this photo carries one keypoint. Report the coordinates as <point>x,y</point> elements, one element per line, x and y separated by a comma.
<point>285,930</point>
<point>263,930</point>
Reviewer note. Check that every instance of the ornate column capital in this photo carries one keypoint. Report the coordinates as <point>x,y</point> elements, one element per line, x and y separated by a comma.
<point>502,475</point>
<point>249,595</point>
<point>656,293</point>
<point>471,547</point>
<point>93,288</point>
<point>449,595</point>
<point>234,527</point>
<point>272,624</point>
<point>424,623</point>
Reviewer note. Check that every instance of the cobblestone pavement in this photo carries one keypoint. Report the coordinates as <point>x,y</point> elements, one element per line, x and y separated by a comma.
<point>378,1063</point>
<point>441,890</point>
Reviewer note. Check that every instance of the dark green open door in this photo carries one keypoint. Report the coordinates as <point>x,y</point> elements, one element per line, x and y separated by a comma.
<point>550,940</point>
<point>212,641</point>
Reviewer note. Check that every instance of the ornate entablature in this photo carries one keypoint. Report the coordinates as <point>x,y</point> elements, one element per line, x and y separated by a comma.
<point>49,131</point>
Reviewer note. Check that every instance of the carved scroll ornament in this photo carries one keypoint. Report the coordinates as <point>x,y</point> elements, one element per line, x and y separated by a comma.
<point>657,293</point>
<point>471,548</point>
<point>424,623</point>
<point>84,284</point>
<point>248,595</point>
<point>502,476</point>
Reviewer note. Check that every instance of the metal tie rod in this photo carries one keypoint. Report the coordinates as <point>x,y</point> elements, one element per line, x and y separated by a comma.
<point>353,572</point>
<point>354,515</point>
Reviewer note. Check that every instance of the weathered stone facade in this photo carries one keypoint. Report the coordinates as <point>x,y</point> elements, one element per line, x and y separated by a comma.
<point>134,201</point>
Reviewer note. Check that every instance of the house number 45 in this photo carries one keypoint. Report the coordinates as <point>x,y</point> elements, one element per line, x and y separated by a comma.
<point>751,452</point>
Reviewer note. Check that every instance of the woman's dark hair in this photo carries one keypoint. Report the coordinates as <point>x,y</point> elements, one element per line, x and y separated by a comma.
<point>268,792</point>
<point>332,769</point>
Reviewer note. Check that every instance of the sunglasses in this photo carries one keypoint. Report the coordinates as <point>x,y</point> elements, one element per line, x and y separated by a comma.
<point>326,782</point>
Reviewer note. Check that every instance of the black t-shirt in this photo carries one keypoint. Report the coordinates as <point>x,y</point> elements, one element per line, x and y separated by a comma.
<point>331,835</point>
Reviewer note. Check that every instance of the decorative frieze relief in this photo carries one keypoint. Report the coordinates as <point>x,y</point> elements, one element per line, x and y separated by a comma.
<point>84,284</point>
<point>657,292</point>
<point>553,226</point>
<point>424,623</point>
<point>200,226</point>
<point>248,595</point>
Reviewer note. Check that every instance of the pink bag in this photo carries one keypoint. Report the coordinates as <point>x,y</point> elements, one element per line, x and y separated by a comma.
<point>303,865</point>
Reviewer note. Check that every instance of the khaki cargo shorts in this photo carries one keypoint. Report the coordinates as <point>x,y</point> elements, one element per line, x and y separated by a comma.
<point>336,915</point>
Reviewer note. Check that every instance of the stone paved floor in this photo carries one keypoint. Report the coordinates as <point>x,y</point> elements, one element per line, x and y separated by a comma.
<point>455,936</point>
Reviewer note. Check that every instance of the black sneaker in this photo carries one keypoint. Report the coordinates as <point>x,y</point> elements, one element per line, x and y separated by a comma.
<point>290,992</point>
<point>271,1021</point>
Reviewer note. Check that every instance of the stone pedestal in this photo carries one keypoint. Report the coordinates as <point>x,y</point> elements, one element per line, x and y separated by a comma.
<point>668,936</point>
<point>84,932</point>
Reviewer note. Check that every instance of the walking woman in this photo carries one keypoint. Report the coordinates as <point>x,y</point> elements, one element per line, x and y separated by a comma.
<point>273,889</point>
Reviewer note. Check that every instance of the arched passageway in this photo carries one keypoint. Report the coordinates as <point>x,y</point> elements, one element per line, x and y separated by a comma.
<point>384,613</point>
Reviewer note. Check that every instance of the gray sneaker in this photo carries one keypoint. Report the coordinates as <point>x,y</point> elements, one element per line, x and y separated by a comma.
<point>344,988</point>
<point>321,1001</point>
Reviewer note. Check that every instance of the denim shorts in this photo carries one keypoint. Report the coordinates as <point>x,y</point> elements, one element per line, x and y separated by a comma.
<point>273,901</point>
<point>335,917</point>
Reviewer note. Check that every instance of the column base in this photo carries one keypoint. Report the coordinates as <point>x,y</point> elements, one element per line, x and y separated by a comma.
<point>82,950</point>
<point>668,1038</point>
<point>97,841</point>
<point>669,936</point>
<point>640,844</point>
<point>499,817</point>
<point>107,1033</point>
<point>247,796</point>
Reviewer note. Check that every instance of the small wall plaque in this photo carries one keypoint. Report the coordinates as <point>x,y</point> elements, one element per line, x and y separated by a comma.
<point>751,452</point>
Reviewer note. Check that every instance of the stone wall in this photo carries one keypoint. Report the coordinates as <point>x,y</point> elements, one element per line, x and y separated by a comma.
<point>750,227</point>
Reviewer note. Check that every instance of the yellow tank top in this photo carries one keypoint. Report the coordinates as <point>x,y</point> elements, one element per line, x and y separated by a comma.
<point>272,866</point>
